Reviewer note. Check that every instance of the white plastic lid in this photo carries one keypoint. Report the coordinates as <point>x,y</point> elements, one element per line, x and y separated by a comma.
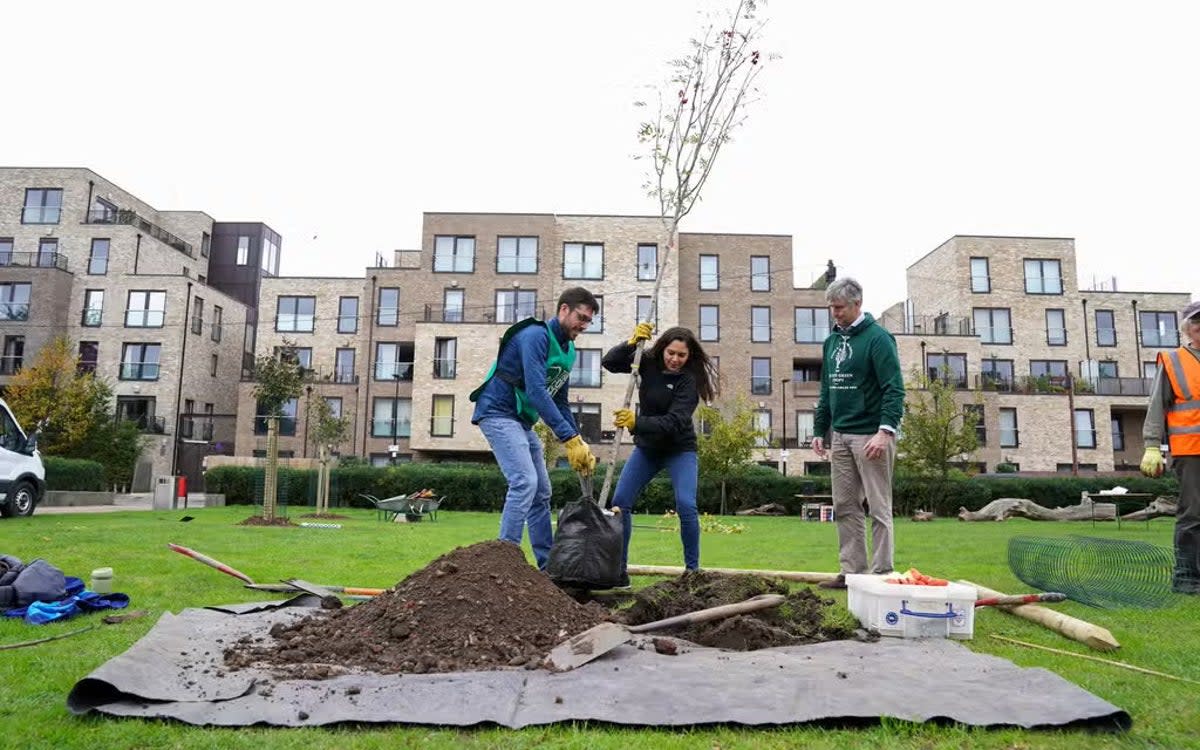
<point>102,573</point>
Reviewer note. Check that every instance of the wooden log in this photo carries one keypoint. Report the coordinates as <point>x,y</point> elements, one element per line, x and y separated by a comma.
<point>770,509</point>
<point>1161,506</point>
<point>1008,507</point>
<point>1092,636</point>
<point>787,575</point>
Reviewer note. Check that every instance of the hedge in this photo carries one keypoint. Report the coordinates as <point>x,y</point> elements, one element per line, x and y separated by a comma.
<point>73,474</point>
<point>481,488</point>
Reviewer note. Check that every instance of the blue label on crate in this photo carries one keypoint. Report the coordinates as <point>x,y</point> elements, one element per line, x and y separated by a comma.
<point>891,618</point>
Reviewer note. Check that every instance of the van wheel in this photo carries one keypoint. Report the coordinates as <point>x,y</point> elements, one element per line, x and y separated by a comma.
<point>22,500</point>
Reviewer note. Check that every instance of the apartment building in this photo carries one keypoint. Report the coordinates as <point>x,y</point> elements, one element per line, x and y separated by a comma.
<point>161,304</point>
<point>1059,374</point>
<point>399,350</point>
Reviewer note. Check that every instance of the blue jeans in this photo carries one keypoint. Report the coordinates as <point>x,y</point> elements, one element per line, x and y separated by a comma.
<point>519,453</point>
<point>683,469</point>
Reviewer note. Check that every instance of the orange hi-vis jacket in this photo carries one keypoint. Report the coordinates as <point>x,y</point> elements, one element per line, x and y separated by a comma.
<point>1183,416</point>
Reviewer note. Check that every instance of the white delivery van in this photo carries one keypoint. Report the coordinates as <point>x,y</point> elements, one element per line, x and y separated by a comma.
<point>22,476</point>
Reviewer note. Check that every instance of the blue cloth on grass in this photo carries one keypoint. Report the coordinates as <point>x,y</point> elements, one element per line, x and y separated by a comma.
<point>40,613</point>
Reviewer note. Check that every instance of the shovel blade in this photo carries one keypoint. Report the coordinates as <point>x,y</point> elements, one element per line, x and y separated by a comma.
<point>586,646</point>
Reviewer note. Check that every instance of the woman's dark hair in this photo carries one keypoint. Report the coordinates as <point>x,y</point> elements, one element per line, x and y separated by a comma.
<point>698,362</point>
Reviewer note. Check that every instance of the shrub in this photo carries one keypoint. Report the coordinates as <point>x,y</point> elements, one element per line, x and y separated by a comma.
<point>73,474</point>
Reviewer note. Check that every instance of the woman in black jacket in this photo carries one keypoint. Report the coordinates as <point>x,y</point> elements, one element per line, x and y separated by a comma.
<point>675,375</point>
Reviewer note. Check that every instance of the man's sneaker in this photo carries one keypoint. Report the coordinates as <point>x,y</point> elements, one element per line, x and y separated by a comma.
<point>623,584</point>
<point>839,582</point>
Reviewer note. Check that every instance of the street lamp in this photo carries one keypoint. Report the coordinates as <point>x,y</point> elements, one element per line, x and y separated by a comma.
<point>394,447</point>
<point>783,451</point>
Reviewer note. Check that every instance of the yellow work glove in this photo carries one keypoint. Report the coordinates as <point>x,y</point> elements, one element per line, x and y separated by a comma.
<point>624,419</point>
<point>641,332</point>
<point>1152,461</point>
<point>579,455</point>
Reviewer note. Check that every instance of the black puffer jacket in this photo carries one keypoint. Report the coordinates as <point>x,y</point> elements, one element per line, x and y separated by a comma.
<point>666,403</point>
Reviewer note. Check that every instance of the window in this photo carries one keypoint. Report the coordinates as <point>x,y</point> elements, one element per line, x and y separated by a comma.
<point>287,420</point>
<point>1085,428</point>
<point>583,260</point>
<point>516,254</point>
<point>453,304</point>
<point>1106,328</point>
<point>140,361</point>
<point>804,428</point>
<point>388,313</point>
<point>302,355</point>
<point>343,366</point>
<point>515,305</point>
<point>993,325</point>
<point>1056,327</point>
<point>98,260</point>
<point>102,212</point>
<point>760,273</point>
<point>335,406</point>
<point>1106,369</point>
<point>587,418</point>
<point>14,355</point>
<point>762,423</point>
<point>980,425</point>
<point>1056,369</point>
<point>710,272</point>
<point>42,206</point>
<point>445,357</point>
<point>218,314</point>
<point>187,424</point>
<point>295,314</point>
<point>47,252</point>
<point>1009,437</point>
<point>270,255</point>
<point>597,324</point>
<point>89,355</point>
<point>14,301</point>
<point>981,281</point>
<point>948,368</point>
<point>1149,369</point>
<point>996,374</point>
<point>347,315</point>
<point>145,309</point>
<point>243,250</point>
<point>393,361</point>
<point>441,424</point>
<point>586,371</point>
<point>140,411</point>
<point>6,251</point>
<point>647,311</point>
<point>806,372</point>
<point>453,254</point>
<point>812,325</point>
<point>212,366</point>
<point>1118,434</point>
<point>760,324</point>
<point>391,418</point>
<point>205,244</point>
<point>1043,277</point>
<point>1158,329</point>
<point>710,323</point>
<point>760,376</point>
<point>647,262</point>
<point>198,315</point>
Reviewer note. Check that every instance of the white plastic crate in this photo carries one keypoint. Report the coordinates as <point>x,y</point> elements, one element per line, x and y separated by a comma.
<point>908,611</point>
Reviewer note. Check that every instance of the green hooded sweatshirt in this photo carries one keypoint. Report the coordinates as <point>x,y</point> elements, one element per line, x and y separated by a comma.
<point>861,383</point>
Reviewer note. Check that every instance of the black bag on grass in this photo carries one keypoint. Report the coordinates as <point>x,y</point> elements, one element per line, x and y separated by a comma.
<point>587,547</point>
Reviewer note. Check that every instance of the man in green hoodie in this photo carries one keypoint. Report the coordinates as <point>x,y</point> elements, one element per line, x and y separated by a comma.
<point>858,413</point>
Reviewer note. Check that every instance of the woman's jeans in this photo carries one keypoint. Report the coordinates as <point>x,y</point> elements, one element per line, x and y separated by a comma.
<point>519,453</point>
<point>683,469</point>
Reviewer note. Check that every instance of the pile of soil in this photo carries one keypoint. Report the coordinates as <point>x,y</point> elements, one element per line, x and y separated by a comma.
<point>804,617</point>
<point>476,608</point>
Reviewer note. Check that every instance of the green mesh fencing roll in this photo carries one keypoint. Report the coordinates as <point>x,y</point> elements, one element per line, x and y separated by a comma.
<point>1106,573</point>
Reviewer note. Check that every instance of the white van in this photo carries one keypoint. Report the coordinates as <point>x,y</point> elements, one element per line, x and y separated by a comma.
<point>22,476</point>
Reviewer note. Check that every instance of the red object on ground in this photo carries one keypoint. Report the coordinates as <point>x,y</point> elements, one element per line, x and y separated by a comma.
<point>181,486</point>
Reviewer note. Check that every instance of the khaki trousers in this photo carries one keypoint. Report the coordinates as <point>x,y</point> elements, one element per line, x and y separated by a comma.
<point>855,477</point>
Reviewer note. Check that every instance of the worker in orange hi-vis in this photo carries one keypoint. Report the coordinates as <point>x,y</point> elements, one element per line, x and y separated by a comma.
<point>1175,406</point>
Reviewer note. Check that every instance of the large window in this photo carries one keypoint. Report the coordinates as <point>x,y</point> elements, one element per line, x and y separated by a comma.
<point>47,252</point>
<point>586,371</point>
<point>976,410</point>
<point>93,307</point>
<point>42,206</point>
<point>454,303</point>
<point>14,355</point>
<point>760,376</point>
<point>583,260</point>
<point>393,361</point>
<point>993,325</point>
<point>647,262</point>
<point>14,301</point>
<point>445,357</point>
<point>1043,277</point>
<point>453,254</point>
<point>812,324</point>
<point>1085,428</point>
<point>760,324</point>
<point>1106,328</point>
<point>140,411</point>
<point>760,273</point>
<point>388,313</point>
<point>1009,437</point>
<point>269,259</point>
<point>710,272</point>
<point>287,418</point>
<point>1158,329</point>
<point>343,366</point>
<point>710,323</point>
<point>140,361</point>
<point>1106,368</point>
<point>197,315</point>
<point>587,418</point>
<point>391,418</point>
<point>146,309</point>
<point>516,255</point>
<point>243,250</point>
<point>218,315</point>
<point>347,315</point>
<point>996,374</point>
<point>647,311</point>
<point>804,428</point>
<point>981,280</point>
<point>98,260</point>
<point>1118,433</point>
<point>1056,327</point>
<point>441,424</point>
<point>762,423</point>
<point>6,251</point>
<point>296,314</point>
<point>1055,369</point>
<point>948,368</point>
<point>515,305</point>
<point>89,356</point>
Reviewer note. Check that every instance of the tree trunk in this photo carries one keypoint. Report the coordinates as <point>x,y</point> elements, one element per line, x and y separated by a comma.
<point>1008,507</point>
<point>323,482</point>
<point>272,472</point>
<point>722,497</point>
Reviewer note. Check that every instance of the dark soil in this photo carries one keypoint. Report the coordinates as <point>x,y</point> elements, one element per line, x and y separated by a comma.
<point>260,521</point>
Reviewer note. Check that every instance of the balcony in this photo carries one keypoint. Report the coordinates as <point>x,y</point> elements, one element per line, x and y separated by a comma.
<point>939,325</point>
<point>34,260</point>
<point>130,218</point>
<point>805,387</point>
<point>491,314</point>
<point>148,424</point>
<point>1123,386</point>
<point>401,371</point>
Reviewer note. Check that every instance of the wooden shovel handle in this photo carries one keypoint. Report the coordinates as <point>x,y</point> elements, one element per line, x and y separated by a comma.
<point>762,601</point>
<point>1011,599</point>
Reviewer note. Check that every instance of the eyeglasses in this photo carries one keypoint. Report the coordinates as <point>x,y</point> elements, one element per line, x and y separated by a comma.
<point>582,317</point>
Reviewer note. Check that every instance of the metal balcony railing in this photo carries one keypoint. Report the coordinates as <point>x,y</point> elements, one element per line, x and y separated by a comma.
<point>146,423</point>
<point>131,218</point>
<point>383,428</point>
<point>402,371</point>
<point>41,214</point>
<point>34,260</point>
<point>1123,386</point>
<point>139,370</point>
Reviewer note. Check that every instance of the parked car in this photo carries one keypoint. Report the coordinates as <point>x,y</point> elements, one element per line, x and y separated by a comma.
<point>22,476</point>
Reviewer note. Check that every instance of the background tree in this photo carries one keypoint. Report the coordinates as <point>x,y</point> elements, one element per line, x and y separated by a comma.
<point>277,380</point>
<point>936,433</point>
<point>52,388</point>
<point>329,432</point>
<point>726,444</point>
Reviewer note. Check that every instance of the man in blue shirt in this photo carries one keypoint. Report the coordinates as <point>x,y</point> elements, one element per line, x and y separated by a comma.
<point>529,381</point>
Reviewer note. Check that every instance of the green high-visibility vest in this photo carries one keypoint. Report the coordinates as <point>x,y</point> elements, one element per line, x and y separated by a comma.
<point>559,362</point>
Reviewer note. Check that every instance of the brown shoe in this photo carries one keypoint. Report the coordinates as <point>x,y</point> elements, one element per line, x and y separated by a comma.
<point>836,583</point>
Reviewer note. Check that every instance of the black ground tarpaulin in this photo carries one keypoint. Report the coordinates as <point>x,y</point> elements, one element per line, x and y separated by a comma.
<point>177,671</point>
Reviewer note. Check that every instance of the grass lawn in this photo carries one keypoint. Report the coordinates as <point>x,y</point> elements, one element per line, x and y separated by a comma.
<point>34,681</point>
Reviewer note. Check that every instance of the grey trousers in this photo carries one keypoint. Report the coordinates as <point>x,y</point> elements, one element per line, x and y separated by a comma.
<point>855,477</point>
<point>1186,578</point>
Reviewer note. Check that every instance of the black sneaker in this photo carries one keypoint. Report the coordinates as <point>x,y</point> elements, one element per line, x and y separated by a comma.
<point>623,583</point>
<point>838,582</point>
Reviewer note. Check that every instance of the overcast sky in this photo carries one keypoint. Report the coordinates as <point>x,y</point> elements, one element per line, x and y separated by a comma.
<point>885,128</point>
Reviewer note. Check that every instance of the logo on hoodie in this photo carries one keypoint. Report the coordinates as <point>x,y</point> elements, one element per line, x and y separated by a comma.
<point>842,354</point>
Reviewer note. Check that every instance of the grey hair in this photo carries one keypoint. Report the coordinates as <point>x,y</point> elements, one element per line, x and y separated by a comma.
<point>844,289</point>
